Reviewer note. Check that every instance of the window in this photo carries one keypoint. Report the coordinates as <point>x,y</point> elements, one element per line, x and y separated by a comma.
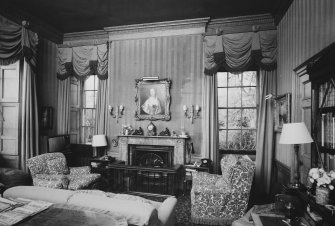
<point>83,108</point>
<point>237,112</point>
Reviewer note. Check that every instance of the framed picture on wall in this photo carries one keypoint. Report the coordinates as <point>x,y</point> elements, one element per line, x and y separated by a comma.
<point>282,111</point>
<point>153,99</point>
<point>46,117</point>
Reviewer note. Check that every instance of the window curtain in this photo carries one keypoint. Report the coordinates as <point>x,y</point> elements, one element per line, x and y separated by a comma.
<point>101,122</point>
<point>83,61</point>
<point>63,106</point>
<point>18,42</point>
<point>237,52</point>
<point>265,136</point>
<point>29,116</point>
<point>210,139</point>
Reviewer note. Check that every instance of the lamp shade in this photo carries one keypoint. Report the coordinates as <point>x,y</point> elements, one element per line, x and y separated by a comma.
<point>295,133</point>
<point>99,141</point>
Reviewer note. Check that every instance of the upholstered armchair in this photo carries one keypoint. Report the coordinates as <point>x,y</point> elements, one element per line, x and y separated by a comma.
<point>51,170</point>
<point>221,199</point>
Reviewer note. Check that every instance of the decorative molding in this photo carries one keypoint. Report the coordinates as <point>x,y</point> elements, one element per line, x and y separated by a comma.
<point>240,24</point>
<point>84,38</point>
<point>159,29</point>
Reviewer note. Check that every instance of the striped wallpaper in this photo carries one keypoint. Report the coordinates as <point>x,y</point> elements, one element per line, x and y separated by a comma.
<point>307,28</point>
<point>178,58</point>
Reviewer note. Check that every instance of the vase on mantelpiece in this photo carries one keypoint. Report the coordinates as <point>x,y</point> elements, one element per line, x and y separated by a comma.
<point>322,195</point>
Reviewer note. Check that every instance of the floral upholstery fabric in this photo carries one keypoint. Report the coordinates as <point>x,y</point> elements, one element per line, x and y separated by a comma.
<point>50,170</point>
<point>80,170</point>
<point>57,166</point>
<point>221,199</point>
<point>83,181</point>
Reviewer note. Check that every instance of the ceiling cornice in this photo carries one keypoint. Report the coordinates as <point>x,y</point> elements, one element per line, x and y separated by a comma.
<point>84,38</point>
<point>240,24</point>
<point>159,29</point>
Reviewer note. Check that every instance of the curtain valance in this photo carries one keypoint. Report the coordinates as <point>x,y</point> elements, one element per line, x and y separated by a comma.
<point>83,61</point>
<point>16,42</point>
<point>236,52</point>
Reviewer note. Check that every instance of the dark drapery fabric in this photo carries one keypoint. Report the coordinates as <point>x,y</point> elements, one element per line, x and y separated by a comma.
<point>16,42</point>
<point>83,61</point>
<point>237,52</point>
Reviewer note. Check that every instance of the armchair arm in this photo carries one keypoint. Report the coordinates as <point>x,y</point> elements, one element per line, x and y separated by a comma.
<point>80,170</point>
<point>204,178</point>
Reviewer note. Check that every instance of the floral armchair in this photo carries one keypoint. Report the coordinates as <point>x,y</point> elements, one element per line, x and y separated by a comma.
<point>221,199</point>
<point>51,170</point>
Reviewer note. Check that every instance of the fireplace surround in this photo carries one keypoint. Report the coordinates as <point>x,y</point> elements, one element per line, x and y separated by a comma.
<point>175,146</point>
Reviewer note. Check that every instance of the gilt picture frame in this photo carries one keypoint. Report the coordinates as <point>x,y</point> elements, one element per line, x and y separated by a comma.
<point>153,99</point>
<point>282,111</point>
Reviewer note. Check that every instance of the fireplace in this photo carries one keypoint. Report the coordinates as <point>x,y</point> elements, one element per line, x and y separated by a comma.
<point>150,156</point>
<point>170,149</point>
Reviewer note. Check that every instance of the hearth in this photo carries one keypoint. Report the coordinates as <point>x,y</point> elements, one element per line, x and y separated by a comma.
<point>150,156</point>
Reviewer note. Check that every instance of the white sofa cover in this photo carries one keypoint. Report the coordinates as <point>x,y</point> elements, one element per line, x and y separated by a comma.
<point>140,213</point>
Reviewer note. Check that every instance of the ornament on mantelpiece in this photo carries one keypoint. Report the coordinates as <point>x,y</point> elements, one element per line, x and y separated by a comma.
<point>165,132</point>
<point>138,131</point>
<point>152,129</point>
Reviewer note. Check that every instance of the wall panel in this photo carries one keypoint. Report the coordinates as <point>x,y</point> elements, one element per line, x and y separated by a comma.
<point>178,58</point>
<point>306,29</point>
<point>47,83</point>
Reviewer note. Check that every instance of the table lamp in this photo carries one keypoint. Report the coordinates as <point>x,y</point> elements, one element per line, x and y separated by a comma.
<point>99,142</point>
<point>295,133</point>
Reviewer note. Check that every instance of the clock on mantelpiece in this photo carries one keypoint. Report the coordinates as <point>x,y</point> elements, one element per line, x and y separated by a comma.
<point>152,130</point>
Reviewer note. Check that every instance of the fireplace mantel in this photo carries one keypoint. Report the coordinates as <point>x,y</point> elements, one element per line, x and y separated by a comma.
<point>179,144</point>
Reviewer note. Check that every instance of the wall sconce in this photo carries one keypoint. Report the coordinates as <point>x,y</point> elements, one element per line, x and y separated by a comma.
<point>193,113</point>
<point>118,112</point>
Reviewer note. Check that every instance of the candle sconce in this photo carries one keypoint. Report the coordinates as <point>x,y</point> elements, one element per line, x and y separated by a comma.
<point>118,112</point>
<point>191,112</point>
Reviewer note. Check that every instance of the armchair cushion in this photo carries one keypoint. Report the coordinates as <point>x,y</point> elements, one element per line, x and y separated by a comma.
<point>47,183</point>
<point>57,166</point>
<point>62,179</point>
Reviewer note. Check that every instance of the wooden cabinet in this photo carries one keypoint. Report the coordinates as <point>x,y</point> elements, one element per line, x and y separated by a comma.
<point>317,84</point>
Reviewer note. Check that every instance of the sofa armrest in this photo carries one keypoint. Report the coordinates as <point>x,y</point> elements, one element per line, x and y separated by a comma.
<point>166,212</point>
<point>80,170</point>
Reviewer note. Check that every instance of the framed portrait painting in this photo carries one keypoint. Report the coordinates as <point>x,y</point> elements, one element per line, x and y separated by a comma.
<point>153,99</point>
<point>282,111</point>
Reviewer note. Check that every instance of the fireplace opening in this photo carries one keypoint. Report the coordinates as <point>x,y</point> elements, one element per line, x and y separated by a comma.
<point>150,156</point>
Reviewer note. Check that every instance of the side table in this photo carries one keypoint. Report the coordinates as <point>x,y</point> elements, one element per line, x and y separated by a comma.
<point>103,167</point>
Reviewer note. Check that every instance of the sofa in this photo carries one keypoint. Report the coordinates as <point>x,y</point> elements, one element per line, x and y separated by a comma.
<point>136,210</point>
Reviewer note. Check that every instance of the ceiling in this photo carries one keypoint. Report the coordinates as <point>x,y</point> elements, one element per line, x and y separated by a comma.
<point>85,15</point>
